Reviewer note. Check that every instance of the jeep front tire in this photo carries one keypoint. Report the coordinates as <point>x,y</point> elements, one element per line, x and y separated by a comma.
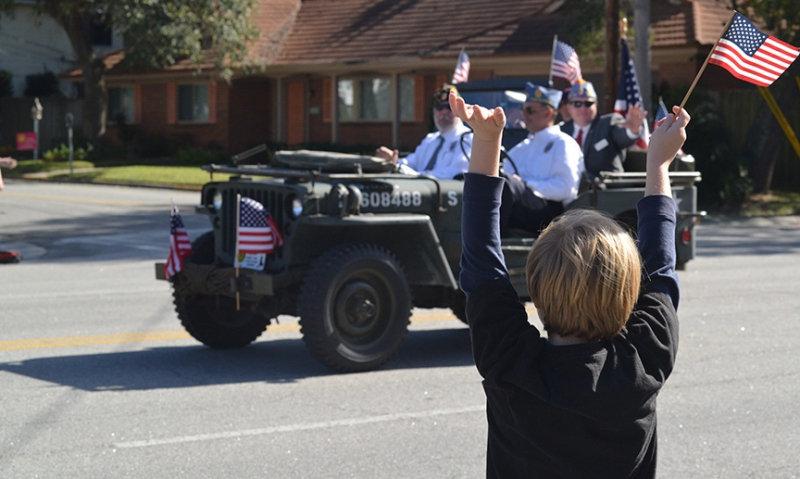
<point>354,307</point>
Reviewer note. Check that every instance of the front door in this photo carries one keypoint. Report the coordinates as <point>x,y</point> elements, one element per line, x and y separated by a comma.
<point>295,113</point>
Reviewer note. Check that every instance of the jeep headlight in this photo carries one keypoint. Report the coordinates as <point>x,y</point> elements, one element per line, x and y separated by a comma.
<point>217,201</point>
<point>294,205</point>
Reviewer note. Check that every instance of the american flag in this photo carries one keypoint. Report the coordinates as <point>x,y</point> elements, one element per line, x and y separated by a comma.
<point>628,93</point>
<point>565,63</point>
<point>257,233</point>
<point>751,55</point>
<point>462,68</point>
<point>179,245</point>
<point>662,113</point>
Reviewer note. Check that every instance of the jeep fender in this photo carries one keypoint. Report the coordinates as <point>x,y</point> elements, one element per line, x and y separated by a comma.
<point>410,237</point>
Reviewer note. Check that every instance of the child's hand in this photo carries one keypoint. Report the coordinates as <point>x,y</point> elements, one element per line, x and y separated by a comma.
<point>486,124</point>
<point>487,132</point>
<point>668,137</point>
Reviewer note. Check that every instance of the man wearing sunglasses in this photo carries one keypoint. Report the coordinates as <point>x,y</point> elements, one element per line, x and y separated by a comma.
<point>440,154</point>
<point>547,166</point>
<point>603,139</point>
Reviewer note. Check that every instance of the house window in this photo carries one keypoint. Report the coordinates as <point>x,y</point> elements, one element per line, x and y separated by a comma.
<point>121,105</point>
<point>193,103</point>
<point>370,99</point>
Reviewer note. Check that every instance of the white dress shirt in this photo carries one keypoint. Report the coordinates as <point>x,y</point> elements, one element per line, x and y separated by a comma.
<point>550,163</point>
<point>450,160</point>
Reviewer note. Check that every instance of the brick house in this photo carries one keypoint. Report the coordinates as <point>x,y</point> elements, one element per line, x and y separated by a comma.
<point>381,60</point>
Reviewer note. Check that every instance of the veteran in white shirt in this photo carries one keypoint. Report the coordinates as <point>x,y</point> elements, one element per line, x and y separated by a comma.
<point>549,164</point>
<point>440,153</point>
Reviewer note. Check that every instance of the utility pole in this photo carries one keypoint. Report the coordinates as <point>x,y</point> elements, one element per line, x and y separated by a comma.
<point>611,54</point>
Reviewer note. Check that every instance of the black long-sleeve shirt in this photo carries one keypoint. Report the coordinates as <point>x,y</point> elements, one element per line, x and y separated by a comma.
<point>584,410</point>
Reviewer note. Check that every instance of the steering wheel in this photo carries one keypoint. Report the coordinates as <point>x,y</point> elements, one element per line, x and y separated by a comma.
<point>504,156</point>
<point>462,142</point>
<point>503,153</point>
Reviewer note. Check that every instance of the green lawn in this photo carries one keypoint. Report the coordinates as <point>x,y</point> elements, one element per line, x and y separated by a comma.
<point>153,175</point>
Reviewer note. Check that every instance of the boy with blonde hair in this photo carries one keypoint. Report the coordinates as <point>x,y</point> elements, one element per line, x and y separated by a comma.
<point>581,402</point>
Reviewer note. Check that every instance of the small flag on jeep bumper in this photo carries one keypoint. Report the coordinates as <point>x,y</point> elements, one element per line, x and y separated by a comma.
<point>179,245</point>
<point>256,236</point>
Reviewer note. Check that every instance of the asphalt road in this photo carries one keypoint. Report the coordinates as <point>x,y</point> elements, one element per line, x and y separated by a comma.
<point>97,379</point>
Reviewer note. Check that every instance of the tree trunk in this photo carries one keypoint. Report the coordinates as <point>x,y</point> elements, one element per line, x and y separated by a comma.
<point>641,25</point>
<point>765,136</point>
<point>612,55</point>
<point>92,67</point>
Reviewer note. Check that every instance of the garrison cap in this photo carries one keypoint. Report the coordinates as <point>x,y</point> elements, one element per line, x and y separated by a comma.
<point>540,94</point>
<point>582,90</point>
<point>442,94</point>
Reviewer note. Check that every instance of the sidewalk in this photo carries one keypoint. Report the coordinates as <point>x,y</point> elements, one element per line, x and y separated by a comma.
<point>45,175</point>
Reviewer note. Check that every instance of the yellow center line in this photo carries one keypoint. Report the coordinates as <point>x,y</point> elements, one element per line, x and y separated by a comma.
<point>88,340</point>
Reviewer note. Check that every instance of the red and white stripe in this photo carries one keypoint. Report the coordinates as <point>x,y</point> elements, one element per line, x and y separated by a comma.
<point>769,62</point>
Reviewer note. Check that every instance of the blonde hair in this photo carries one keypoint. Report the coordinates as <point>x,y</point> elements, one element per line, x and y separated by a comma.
<point>584,273</point>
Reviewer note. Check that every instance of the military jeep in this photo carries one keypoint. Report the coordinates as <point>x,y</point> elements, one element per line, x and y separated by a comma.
<point>362,246</point>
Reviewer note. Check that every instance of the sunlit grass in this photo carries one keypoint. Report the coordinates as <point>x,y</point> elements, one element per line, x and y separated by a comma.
<point>774,203</point>
<point>151,175</point>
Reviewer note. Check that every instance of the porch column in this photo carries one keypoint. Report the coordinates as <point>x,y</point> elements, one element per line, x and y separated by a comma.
<point>396,110</point>
<point>335,109</point>
<point>280,111</point>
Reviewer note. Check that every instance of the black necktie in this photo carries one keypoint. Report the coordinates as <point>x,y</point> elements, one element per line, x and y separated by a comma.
<point>432,161</point>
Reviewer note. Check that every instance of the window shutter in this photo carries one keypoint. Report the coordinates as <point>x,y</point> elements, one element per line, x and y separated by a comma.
<point>212,102</point>
<point>419,99</point>
<point>137,104</point>
<point>172,103</point>
<point>327,100</point>
<point>441,79</point>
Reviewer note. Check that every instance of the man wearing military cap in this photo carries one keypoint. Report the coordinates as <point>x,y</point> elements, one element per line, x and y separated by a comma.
<point>547,166</point>
<point>603,139</point>
<point>440,153</point>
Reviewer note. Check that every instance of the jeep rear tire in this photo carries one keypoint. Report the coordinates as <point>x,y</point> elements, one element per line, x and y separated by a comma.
<point>354,307</point>
<point>213,320</point>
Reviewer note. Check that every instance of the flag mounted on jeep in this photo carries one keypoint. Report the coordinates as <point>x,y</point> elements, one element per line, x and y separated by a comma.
<point>256,235</point>
<point>179,245</point>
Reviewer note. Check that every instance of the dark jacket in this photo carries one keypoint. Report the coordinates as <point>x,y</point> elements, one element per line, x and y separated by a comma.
<point>604,146</point>
<point>585,410</point>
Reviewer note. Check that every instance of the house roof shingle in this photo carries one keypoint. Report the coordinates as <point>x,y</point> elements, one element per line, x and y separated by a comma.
<point>317,32</point>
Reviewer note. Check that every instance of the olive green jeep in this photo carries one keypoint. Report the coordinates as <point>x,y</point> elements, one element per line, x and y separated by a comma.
<point>362,246</point>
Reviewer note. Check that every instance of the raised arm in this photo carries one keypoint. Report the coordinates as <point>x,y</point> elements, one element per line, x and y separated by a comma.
<point>665,142</point>
<point>481,256</point>
<point>657,212</point>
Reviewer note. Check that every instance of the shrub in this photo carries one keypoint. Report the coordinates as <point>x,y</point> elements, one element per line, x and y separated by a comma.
<point>61,153</point>
<point>6,88</point>
<point>200,156</point>
<point>725,182</point>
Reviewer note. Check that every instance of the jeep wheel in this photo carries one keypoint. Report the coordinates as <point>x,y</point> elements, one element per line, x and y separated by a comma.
<point>213,320</point>
<point>354,307</point>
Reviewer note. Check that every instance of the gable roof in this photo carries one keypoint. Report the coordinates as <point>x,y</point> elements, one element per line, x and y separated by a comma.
<point>298,34</point>
<point>359,30</point>
<point>328,31</point>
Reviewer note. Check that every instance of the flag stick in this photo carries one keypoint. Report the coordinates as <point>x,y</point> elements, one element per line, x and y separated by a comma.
<point>705,64</point>
<point>552,55</point>
<point>236,257</point>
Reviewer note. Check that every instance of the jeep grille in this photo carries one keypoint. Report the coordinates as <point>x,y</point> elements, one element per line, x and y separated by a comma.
<point>273,201</point>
